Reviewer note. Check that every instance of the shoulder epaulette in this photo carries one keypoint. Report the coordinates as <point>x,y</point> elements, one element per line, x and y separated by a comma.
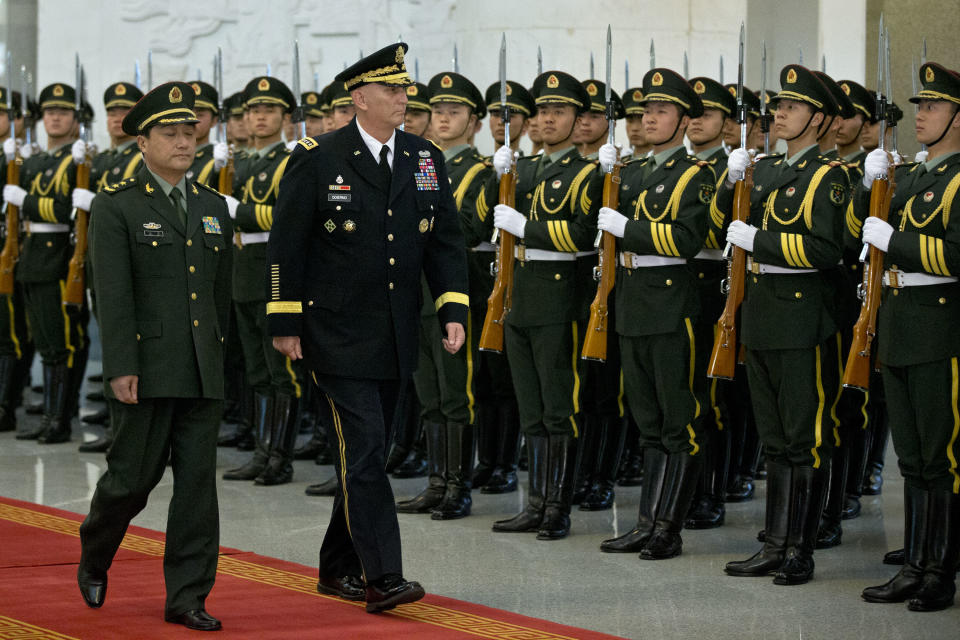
<point>439,148</point>
<point>307,143</point>
<point>210,189</point>
<point>120,186</point>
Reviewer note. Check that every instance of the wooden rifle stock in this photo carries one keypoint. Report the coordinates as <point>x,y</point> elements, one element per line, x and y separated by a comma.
<point>500,300</point>
<point>11,246</point>
<point>857,372</point>
<point>75,292</point>
<point>225,185</point>
<point>723,358</point>
<point>595,340</point>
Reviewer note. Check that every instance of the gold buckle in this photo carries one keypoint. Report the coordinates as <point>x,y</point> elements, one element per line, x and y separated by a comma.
<point>893,279</point>
<point>754,267</point>
<point>521,253</point>
<point>626,259</point>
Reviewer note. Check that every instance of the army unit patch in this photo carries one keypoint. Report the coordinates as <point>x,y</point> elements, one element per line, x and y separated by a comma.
<point>706,193</point>
<point>330,226</point>
<point>837,193</point>
<point>426,177</point>
<point>211,225</point>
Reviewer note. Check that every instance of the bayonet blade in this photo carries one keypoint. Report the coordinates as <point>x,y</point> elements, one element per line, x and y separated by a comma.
<point>608,92</point>
<point>296,71</point>
<point>686,65</point>
<point>763,79</point>
<point>592,74</point>
<point>721,70</point>
<point>416,69</point>
<point>653,55</point>
<point>76,95</point>
<point>741,108</point>
<point>316,81</point>
<point>199,74</point>
<point>456,59</point>
<point>626,75</point>
<point>269,71</point>
<point>923,52</point>
<point>149,69</point>
<point>11,117</point>
<point>136,74</point>
<point>539,61</point>
<point>800,55</point>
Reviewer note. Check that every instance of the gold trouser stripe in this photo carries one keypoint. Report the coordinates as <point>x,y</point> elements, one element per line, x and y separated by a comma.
<point>293,376</point>
<point>818,423</point>
<point>13,328</point>
<point>342,449</point>
<point>833,409</point>
<point>956,425</point>
<point>66,325</point>
<point>471,403</point>
<point>620,395</point>
<point>717,414</point>
<point>576,381</point>
<point>693,357</point>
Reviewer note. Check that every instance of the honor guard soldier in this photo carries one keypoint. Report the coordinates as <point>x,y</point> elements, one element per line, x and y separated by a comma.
<point>666,196</point>
<point>161,261</point>
<point>445,382</point>
<point>636,136</point>
<point>591,130</point>
<point>731,135</point>
<point>207,99</point>
<point>44,197</point>
<point>237,133</point>
<point>919,344</point>
<point>312,114</point>
<point>342,109</point>
<point>789,319</point>
<point>558,194</point>
<point>275,380</point>
<point>417,117</point>
<point>363,211</point>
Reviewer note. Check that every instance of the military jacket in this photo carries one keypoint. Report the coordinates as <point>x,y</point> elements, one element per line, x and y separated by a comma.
<point>667,216</point>
<point>561,205</point>
<point>112,166</point>
<point>346,252</point>
<point>202,168</point>
<point>163,291</point>
<point>919,324</point>
<point>260,181</point>
<point>49,178</point>
<point>798,210</point>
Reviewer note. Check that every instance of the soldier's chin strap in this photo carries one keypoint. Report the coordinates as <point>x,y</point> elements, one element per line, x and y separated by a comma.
<point>946,129</point>
<point>825,127</point>
<point>804,130</point>
<point>672,135</point>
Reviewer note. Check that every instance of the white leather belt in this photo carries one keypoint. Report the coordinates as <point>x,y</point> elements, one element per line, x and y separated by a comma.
<point>524,254</point>
<point>253,238</point>
<point>710,254</point>
<point>634,261</point>
<point>760,268</point>
<point>46,227</point>
<point>896,279</point>
<point>484,246</point>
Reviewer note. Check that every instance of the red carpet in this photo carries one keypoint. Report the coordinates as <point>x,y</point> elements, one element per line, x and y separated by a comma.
<point>255,596</point>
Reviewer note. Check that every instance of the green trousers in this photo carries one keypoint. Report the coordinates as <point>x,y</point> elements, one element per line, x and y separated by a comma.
<point>14,334</point>
<point>59,332</point>
<point>268,371</point>
<point>445,382</point>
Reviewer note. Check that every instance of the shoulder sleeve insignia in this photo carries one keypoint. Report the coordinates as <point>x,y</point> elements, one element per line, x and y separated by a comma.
<point>211,189</point>
<point>307,143</point>
<point>837,193</point>
<point>706,192</point>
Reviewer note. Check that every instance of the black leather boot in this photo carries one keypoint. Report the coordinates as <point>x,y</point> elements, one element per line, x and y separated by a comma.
<point>262,427</point>
<point>504,476</point>
<point>429,498</point>
<point>938,585</point>
<point>461,449</point>
<point>561,471</point>
<point>325,488</point>
<point>905,584</point>
<point>630,473</point>
<point>588,449</point>
<point>314,447</point>
<point>858,448</point>
<point>488,439</point>
<point>683,471</point>
<point>807,493</point>
<point>406,433</point>
<point>57,407</point>
<point>532,515</point>
<point>654,477</point>
<point>242,437</point>
<point>8,393</point>
<point>895,557</point>
<point>873,478</point>
<point>777,518</point>
<point>75,377</point>
<point>741,485</point>
<point>708,511</point>
<point>831,531</point>
<point>286,421</point>
<point>97,417</point>
<point>612,436</point>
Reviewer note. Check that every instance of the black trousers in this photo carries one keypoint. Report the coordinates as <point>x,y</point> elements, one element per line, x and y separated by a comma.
<point>145,435</point>
<point>363,536</point>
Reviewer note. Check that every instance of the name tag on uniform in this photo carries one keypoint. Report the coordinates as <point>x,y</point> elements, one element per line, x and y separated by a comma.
<point>149,233</point>
<point>426,177</point>
<point>211,225</point>
<point>339,197</point>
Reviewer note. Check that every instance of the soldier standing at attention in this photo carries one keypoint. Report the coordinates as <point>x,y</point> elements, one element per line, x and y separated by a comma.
<point>363,211</point>
<point>636,136</point>
<point>790,329</point>
<point>313,116</point>
<point>161,260</point>
<point>207,99</point>
<point>416,120</point>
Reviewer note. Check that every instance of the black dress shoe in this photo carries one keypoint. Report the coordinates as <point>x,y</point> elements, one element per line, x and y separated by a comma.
<point>895,557</point>
<point>97,377</point>
<point>96,396</point>
<point>328,488</point>
<point>196,619</point>
<point>98,417</point>
<point>346,587</point>
<point>387,593</point>
<point>830,535</point>
<point>100,445</point>
<point>93,587</point>
<point>662,545</point>
<point>740,489</point>
<point>632,541</point>
<point>851,508</point>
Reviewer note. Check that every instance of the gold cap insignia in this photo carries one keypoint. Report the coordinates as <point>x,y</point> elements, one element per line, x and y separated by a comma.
<point>733,91</point>
<point>446,82</point>
<point>424,225</point>
<point>120,90</point>
<point>412,90</point>
<point>58,91</point>
<point>592,89</point>
<point>699,88</point>
<point>766,98</point>
<point>509,90</point>
<point>399,56</point>
<point>311,98</point>
<point>928,76</point>
<point>846,88</point>
<point>791,76</point>
<point>552,82</point>
<point>175,95</point>
<point>657,79</point>
<point>196,88</point>
<point>263,85</point>
<point>637,95</point>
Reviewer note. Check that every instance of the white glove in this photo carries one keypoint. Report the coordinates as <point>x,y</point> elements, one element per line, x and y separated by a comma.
<point>79,152</point>
<point>9,148</point>
<point>82,198</point>
<point>27,150</point>
<point>741,233</point>
<point>290,145</point>
<point>507,218</point>
<point>875,165</point>
<point>921,157</point>
<point>503,160</point>
<point>737,165</point>
<point>608,156</point>
<point>877,232</point>
<point>897,158</point>
<point>14,195</point>
<point>221,155</point>
<point>232,204</point>
<point>611,221</point>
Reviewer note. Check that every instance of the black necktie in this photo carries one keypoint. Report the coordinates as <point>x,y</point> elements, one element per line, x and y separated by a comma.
<point>385,170</point>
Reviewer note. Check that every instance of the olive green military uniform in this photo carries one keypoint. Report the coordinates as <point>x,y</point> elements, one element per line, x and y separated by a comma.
<point>115,165</point>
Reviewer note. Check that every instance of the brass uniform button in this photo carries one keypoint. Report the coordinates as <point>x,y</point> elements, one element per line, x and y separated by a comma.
<point>529,196</point>
<point>310,303</point>
<point>754,279</point>
<point>338,207</point>
<point>390,237</point>
<point>894,267</point>
<point>154,243</point>
<point>942,301</point>
<point>189,243</point>
<point>896,292</point>
<point>138,337</point>
<point>389,212</point>
<point>50,244</point>
<point>216,248</point>
<point>798,295</point>
<point>392,261</point>
<point>193,296</point>
<point>556,276</point>
<point>192,269</point>
<point>701,275</point>
<point>669,282</point>
<point>391,286</point>
<point>196,323</point>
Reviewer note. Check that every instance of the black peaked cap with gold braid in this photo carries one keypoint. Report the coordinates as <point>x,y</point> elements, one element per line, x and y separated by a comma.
<point>860,98</point>
<point>844,108</point>
<point>418,97</point>
<point>234,104</point>
<point>385,66</point>
<point>633,101</point>
<point>206,96</point>
<point>800,84</point>
<point>453,87</point>
<point>59,96</point>
<point>714,95</point>
<point>597,90</point>
<point>664,85</point>
<point>939,83</point>
<point>166,104</point>
<point>518,98</point>
<point>121,95</point>
<point>267,90</point>
<point>557,87</point>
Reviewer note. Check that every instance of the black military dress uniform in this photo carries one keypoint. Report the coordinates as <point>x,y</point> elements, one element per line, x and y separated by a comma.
<point>349,242</point>
<point>162,277</point>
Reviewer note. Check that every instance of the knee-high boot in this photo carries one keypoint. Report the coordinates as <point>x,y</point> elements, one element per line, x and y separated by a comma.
<point>708,510</point>
<point>286,425</point>
<point>57,410</point>
<point>938,586</point>
<point>461,448</point>
<point>488,437</point>
<point>610,449</point>
<point>683,471</point>
<point>807,492</point>
<point>504,476</point>
<point>429,498</point>
<point>588,449</point>
<point>561,471</point>
<point>907,581</point>
<point>532,515</point>
<point>262,430</point>
<point>8,391</point>
<point>777,519</point>
<point>654,477</point>
<point>831,530</point>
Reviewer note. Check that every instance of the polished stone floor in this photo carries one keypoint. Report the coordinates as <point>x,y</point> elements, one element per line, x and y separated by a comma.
<point>568,581</point>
